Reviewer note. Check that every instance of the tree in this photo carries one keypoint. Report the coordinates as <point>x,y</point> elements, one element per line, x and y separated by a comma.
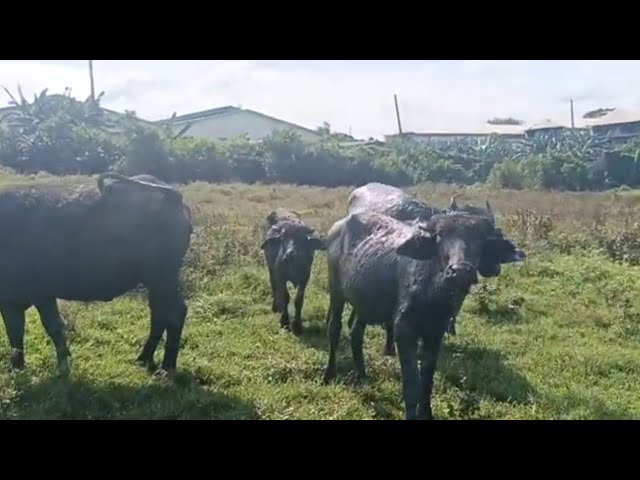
<point>504,121</point>
<point>598,112</point>
<point>324,129</point>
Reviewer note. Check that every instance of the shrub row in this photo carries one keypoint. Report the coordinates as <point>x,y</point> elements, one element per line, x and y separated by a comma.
<point>60,135</point>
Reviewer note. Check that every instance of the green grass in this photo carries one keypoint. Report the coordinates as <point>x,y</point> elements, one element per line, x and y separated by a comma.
<point>556,338</point>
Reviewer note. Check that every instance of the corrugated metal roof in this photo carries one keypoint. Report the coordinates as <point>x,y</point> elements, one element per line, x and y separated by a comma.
<point>503,129</point>
<point>487,129</point>
<point>544,124</point>
<point>481,131</point>
<point>212,112</point>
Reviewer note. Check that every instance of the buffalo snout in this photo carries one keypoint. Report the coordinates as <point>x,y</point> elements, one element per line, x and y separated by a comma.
<point>289,252</point>
<point>518,256</point>
<point>461,273</point>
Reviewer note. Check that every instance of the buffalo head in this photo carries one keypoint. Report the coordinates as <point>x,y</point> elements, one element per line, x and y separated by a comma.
<point>292,242</point>
<point>462,245</point>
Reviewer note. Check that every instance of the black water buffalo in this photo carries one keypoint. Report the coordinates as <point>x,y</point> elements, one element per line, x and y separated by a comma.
<point>392,201</point>
<point>289,247</point>
<point>409,278</point>
<point>85,243</point>
<point>395,202</point>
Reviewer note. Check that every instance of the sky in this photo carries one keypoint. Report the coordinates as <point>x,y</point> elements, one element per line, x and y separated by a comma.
<point>352,95</point>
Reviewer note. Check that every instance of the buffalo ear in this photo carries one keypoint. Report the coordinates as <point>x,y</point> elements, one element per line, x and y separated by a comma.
<point>501,250</point>
<point>420,246</point>
<point>316,242</point>
<point>273,235</point>
<point>489,270</point>
<point>268,241</point>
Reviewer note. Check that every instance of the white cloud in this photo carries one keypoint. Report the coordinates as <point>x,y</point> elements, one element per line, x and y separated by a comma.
<point>432,95</point>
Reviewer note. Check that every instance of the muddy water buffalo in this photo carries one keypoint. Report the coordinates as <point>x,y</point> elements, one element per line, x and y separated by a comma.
<point>395,202</point>
<point>289,247</point>
<point>85,243</point>
<point>411,279</point>
<point>392,201</point>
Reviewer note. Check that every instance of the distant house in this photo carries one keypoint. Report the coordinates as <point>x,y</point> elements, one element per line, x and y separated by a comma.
<point>543,127</point>
<point>619,125</point>
<point>230,122</point>
<point>513,132</point>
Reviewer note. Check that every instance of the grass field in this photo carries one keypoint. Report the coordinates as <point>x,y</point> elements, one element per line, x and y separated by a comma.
<point>555,338</point>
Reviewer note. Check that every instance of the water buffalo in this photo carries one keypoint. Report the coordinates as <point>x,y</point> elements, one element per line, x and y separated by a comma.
<point>408,278</point>
<point>85,243</point>
<point>390,200</point>
<point>395,202</point>
<point>289,247</point>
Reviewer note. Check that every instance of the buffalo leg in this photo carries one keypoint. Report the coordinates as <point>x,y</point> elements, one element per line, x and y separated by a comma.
<point>334,329</point>
<point>272,282</point>
<point>407,344</point>
<point>177,313</point>
<point>429,360</point>
<point>283,297</point>
<point>52,323</point>
<point>157,328</point>
<point>357,341</point>
<point>168,312</point>
<point>389,346</point>
<point>298,303</point>
<point>14,319</point>
<point>352,318</point>
<point>175,324</point>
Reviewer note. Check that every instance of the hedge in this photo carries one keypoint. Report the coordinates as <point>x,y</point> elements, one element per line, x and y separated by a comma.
<point>61,135</point>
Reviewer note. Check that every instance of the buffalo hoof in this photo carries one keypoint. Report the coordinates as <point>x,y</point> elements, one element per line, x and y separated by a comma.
<point>328,376</point>
<point>64,369</point>
<point>285,327</point>
<point>389,351</point>
<point>418,416</point>
<point>16,361</point>
<point>146,362</point>
<point>424,414</point>
<point>361,378</point>
<point>296,328</point>
<point>274,307</point>
<point>162,374</point>
<point>143,360</point>
<point>168,365</point>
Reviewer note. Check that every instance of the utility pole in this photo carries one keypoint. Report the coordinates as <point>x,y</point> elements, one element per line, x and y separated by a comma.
<point>573,125</point>
<point>395,99</point>
<point>93,93</point>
